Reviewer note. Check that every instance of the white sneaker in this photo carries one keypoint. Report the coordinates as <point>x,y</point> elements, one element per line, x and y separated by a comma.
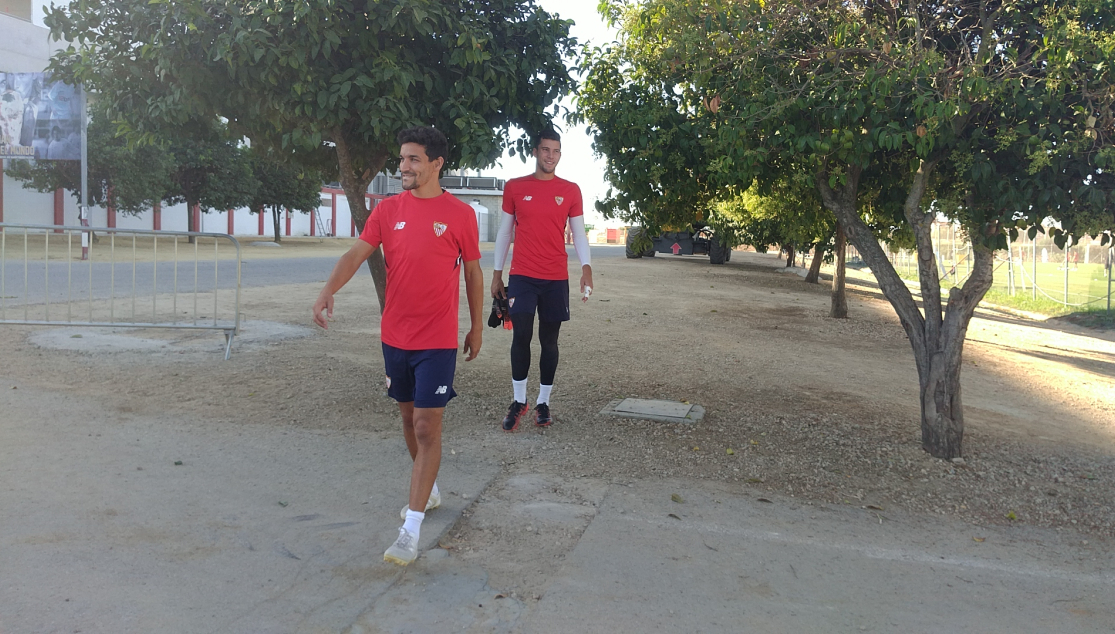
<point>432,503</point>
<point>404,550</point>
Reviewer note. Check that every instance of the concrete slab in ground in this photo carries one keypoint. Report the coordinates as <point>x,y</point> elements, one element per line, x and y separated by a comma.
<point>649,409</point>
<point>724,562</point>
<point>258,530</point>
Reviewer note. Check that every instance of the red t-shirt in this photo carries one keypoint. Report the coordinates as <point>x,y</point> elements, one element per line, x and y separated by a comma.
<point>541,209</point>
<point>425,241</point>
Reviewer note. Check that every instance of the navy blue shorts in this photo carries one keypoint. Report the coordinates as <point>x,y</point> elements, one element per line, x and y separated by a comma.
<point>549,297</point>
<point>424,377</point>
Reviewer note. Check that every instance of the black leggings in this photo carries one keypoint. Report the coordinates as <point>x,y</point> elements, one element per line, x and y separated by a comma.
<point>520,347</point>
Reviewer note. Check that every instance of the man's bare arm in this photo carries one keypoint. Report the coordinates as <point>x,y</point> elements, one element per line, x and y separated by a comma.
<point>474,290</point>
<point>345,268</point>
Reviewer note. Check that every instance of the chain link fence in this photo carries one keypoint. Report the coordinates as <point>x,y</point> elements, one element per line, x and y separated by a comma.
<point>1078,277</point>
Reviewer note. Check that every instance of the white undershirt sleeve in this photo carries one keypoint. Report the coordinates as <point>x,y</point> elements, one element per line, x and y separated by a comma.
<point>503,240</point>
<point>580,240</point>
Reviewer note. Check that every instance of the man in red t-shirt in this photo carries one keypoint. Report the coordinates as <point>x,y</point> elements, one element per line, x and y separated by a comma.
<point>538,208</point>
<point>427,235</point>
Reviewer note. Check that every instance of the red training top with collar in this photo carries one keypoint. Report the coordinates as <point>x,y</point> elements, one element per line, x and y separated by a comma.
<point>541,209</point>
<point>425,241</point>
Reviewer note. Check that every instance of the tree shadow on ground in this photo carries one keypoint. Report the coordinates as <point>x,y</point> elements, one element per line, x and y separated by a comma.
<point>1101,363</point>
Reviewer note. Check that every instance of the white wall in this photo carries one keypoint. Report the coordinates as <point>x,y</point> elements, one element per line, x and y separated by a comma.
<point>25,206</point>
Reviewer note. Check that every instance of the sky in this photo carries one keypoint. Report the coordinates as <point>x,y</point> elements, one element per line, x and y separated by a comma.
<point>577,161</point>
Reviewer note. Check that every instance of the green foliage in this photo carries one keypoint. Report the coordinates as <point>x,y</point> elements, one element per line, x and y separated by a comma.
<point>209,168</point>
<point>346,74</point>
<point>282,183</point>
<point>1012,106</point>
<point>790,214</point>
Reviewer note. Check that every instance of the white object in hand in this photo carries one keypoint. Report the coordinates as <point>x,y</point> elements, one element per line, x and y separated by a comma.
<point>588,291</point>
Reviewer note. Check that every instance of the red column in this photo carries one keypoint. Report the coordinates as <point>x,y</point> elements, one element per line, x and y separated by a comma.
<point>111,209</point>
<point>197,217</point>
<point>231,220</point>
<point>352,228</point>
<point>1,190</point>
<point>312,218</point>
<point>288,223</point>
<point>332,225</point>
<point>157,217</point>
<point>59,208</point>
<point>261,211</point>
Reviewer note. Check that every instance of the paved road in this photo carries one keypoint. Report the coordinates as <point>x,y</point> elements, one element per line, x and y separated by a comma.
<point>63,281</point>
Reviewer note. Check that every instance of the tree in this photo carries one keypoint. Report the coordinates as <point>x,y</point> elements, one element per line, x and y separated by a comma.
<point>283,184</point>
<point>1001,112</point>
<point>337,72</point>
<point>209,170</point>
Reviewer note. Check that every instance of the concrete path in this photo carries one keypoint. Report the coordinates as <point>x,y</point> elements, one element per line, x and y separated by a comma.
<point>259,529</point>
<point>265,529</point>
<point>726,562</point>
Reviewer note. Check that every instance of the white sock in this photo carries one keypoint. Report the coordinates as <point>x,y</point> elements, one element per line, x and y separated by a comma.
<point>544,394</point>
<point>413,523</point>
<point>520,390</point>
<point>433,491</point>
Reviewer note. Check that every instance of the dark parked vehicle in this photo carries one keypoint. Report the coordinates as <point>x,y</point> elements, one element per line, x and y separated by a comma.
<point>700,240</point>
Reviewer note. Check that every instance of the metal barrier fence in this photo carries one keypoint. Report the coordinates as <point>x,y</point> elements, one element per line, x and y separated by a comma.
<point>131,278</point>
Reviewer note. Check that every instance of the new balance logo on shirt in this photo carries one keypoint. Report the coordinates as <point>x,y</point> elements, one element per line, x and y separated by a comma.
<point>526,197</point>
<point>400,225</point>
<point>441,389</point>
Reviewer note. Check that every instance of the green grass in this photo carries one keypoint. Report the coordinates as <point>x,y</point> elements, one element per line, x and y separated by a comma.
<point>1086,285</point>
<point>1025,301</point>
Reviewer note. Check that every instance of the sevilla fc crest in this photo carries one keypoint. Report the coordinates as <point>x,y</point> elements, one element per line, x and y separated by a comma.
<point>558,199</point>
<point>439,228</point>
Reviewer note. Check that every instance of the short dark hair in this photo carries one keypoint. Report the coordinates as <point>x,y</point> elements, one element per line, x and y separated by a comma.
<point>437,146</point>
<point>548,134</point>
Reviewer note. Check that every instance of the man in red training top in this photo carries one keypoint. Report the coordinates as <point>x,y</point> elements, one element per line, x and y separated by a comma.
<point>427,236</point>
<point>537,208</point>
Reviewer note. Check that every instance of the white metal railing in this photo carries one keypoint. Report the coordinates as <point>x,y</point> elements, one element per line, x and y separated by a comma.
<point>125,278</point>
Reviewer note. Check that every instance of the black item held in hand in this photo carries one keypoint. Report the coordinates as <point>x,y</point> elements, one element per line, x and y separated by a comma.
<point>500,313</point>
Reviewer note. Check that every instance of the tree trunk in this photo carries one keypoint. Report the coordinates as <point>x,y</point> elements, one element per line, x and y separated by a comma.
<point>790,256</point>
<point>839,306</point>
<point>815,266</point>
<point>937,339</point>
<point>275,221</point>
<point>942,413</point>
<point>356,175</point>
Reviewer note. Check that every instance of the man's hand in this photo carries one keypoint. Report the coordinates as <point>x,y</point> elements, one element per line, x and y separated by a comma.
<point>473,340</point>
<point>498,289</point>
<point>586,281</point>
<point>324,304</point>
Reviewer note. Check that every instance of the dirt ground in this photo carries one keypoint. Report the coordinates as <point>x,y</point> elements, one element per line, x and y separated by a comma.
<point>819,409</point>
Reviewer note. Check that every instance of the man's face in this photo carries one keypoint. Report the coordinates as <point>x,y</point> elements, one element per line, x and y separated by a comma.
<point>547,155</point>
<point>415,167</point>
